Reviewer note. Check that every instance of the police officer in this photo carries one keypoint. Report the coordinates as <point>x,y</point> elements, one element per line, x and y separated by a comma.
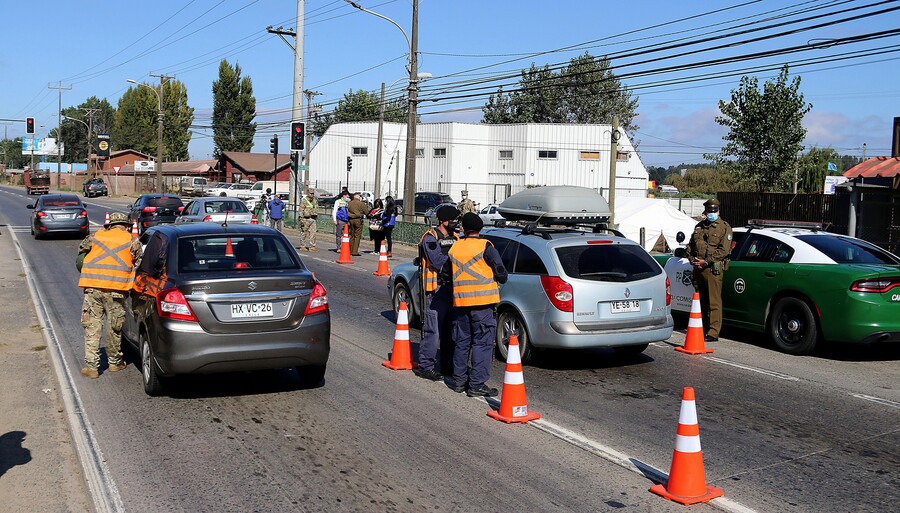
<point>434,246</point>
<point>476,269</point>
<point>107,274</point>
<point>465,206</point>
<point>309,212</point>
<point>708,252</point>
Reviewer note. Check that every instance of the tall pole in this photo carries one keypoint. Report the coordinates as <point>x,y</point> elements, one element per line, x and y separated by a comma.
<point>613,151</point>
<point>409,178</point>
<point>160,184</point>
<point>59,89</point>
<point>307,145</point>
<point>380,143</point>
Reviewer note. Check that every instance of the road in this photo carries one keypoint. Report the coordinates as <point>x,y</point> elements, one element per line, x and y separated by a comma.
<point>779,432</point>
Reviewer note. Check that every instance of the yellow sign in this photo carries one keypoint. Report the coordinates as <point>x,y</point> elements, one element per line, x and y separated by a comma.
<point>104,145</point>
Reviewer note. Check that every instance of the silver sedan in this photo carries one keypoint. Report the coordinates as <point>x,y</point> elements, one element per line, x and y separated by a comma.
<point>216,210</point>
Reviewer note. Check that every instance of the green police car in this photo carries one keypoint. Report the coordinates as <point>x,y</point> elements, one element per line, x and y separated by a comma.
<point>801,285</point>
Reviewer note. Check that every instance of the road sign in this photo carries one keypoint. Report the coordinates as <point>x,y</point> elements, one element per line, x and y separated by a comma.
<point>116,169</point>
<point>304,168</point>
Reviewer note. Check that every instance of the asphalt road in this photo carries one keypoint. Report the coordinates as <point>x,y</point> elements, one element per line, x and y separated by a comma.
<point>779,432</point>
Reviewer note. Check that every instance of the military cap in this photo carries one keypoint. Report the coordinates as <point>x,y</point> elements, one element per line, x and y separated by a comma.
<point>712,205</point>
<point>118,218</point>
<point>464,193</point>
<point>447,213</point>
<point>471,222</point>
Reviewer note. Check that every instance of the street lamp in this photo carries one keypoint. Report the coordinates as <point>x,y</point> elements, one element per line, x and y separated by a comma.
<point>409,179</point>
<point>159,134</point>
<point>88,158</point>
<point>421,77</point>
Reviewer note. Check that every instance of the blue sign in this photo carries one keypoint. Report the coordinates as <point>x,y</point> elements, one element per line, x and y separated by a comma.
<point>28,145</point>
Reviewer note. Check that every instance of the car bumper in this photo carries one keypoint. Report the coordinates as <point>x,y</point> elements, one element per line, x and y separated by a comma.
<point>860,318</point>
<point>184,348</point>
<point>72,226</point>
<point>567,335</point>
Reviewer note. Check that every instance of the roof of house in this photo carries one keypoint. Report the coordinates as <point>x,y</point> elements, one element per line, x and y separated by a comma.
<point>129,150</point>
<point>256,162</point>
<point>190,166</point>
<point>885,167</point>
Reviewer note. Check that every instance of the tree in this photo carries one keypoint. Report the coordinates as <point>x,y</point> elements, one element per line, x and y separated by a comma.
<point>812,168</point>
<point>765,131</point>
<point>361,106</point>
<point>177,121</point>
<point>135,124</point>
<point>99,115</point>
<point>234,108</point>
<point>704,180</point>
<point>585,91</point>
<point>11,154</point>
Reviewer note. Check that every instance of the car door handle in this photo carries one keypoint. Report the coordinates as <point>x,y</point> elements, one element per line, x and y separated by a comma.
<point>770,274</point>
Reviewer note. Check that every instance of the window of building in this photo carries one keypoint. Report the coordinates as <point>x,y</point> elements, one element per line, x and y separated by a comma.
<point>360,151</point>
<point>622,156</point>
<point>440,153</point>
<point>589,155</point>
<point>420,153</point>
<point>546,154</point>
<point>506,154</point>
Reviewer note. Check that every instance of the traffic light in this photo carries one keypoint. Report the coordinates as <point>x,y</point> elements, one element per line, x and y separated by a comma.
<point>273,145</point>
<point>29,125</point>
<point>295,161</point>
<point>298,131</point>
<point>349,164</point>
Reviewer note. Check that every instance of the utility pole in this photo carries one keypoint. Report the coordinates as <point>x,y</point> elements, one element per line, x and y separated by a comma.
<point>59,88</point>
<point>89,113</point>
<point>409,178</point>
<point>308,144</point>
<point>160,183</point>
<point>613,151</point>
<point>379,144</point>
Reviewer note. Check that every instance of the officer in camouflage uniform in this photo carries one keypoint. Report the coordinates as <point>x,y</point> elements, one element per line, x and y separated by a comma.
<point>309,213</point>
<point>708,252</point>
<point>466,204</point>
<point>107,275</point>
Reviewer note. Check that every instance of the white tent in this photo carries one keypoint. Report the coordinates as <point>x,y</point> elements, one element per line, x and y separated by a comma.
<point>656,216</point>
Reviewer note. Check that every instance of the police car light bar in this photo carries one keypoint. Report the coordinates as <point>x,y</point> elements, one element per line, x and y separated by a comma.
<point>772,223</point>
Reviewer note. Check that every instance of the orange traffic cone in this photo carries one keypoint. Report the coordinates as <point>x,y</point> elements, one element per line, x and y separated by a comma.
<point>134,230</point>
<point>687,481</point>
<point>106,221</point>
<point>383,269</point>
<point>345,248</point>
<point>513,405</point>
<point>229,249</point>
<point>694,342</point>
<point>401,357</point>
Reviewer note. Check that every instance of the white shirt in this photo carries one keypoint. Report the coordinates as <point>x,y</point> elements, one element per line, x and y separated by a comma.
<point>337,204</point>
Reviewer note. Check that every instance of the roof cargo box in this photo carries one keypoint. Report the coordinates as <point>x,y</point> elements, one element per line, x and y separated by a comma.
<point>556,204</point>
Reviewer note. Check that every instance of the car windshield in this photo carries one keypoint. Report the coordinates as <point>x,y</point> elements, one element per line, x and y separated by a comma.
<point>217,253</point>
<point>845,250</point>
<point>62,202</point>
<point>607,262</point>
<point>165,202</point>
<point>220,207</point>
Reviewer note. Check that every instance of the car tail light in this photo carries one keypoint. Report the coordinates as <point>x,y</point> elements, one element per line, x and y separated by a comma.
<point>83,213</point>
<point>559,292</point>
<point>668,292</point>
<point>180,209</point>
<point>600,241</point>
<point>318,300</point>
<point>40,214</point>
<point>253,219</point>
<point>877,285</point>
<point>207,219</point>
<point>171,304</point>
<point>148,210</point>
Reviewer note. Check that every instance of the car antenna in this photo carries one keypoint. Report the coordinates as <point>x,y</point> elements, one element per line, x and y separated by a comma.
<point>225,222</point>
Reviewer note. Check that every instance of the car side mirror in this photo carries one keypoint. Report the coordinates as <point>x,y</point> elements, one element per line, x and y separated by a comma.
<point>29,206</point>
<point>680,253</point>
<point>680,237</point>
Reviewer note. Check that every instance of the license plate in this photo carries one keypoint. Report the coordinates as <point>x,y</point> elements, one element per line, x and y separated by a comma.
<point>628,305</point>
<point>245,310</point>
<point>62,216</point>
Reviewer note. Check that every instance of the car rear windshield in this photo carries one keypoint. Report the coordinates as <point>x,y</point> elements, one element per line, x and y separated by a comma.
<point>845,250</point>
<point>62,201</point>
<point>172,202</point>
<point>607,262</point>
<point>223,254</point>
<point>230,206</point>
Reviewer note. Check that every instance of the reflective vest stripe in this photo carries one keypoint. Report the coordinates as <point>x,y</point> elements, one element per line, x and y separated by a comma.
<point>429,276</point>
<point>473,278</point>
<point>109,264</point>
<point>97,276</point>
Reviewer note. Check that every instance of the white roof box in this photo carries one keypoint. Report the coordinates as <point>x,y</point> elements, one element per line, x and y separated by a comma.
<point>556,204</point>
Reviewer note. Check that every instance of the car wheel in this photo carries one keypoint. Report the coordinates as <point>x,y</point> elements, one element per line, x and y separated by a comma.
<point>792,325</point>
<point>509,322</point>
<point>630,350</point>
<point>403,295</point>
<point>311,376</point>
<point>153,384</point>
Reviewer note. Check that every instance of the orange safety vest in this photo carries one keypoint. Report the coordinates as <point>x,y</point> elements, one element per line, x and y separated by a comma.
<point>473,278</point>
<point>148,285</point>
<point>109,265</point>
<point>429,277</point>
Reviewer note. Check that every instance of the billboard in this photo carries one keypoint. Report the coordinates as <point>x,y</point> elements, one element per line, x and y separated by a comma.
<point>144,165</point>
<point>45,146</point>
<point>103,145</point>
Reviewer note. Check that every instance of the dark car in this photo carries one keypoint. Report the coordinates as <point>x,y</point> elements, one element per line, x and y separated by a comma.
<point>153,209</point>
<point>235,298</point>
<point>59,213</point>
<point>426,201</point>
<point>95,187</point>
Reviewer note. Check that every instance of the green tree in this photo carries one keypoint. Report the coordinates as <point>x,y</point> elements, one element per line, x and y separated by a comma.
<point>99,115</point>
<point>585,91</point>
<point>360,106</point>
<point>704,180</point>
<point>234,108</point>
<point>11,154</point>
<point>135,125</point>
<point>765,131</point>
<point>177,121</point>
<point>812,168</point>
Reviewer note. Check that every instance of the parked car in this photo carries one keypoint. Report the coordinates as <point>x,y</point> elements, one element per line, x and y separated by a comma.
<point>95,187</point>
<point>800,286</point>
<point>426,201</point>
<point>667,189</point>
<point>217,189</point>
<point>149,210</point>
<point>59,213</point>
<point>489,214</point>
<point>235,298</point>
<point>216,210</point>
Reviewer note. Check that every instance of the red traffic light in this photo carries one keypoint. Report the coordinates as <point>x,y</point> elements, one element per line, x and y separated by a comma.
<point>298,131</point>
<point>29,125</point>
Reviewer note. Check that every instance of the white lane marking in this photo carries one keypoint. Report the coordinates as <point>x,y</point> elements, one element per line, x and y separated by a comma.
<point>878,400</point>
<point>753,369</point>
<point>351,267</point>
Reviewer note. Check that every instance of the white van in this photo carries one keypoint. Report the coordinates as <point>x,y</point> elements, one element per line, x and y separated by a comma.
<point>193,185</point>
<point>259,188</point>
<point>668,189</point>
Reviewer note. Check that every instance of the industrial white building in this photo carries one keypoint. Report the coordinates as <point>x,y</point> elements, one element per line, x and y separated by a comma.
<point>490,161</point>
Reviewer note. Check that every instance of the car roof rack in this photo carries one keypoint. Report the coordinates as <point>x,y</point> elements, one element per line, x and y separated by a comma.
<point>772,223</point>
<point>545,231</point>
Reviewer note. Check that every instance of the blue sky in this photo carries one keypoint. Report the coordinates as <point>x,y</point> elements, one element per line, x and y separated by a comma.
<point>94,46</point>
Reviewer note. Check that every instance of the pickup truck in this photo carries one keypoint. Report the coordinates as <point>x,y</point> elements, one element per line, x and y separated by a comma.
<point>95,187</point>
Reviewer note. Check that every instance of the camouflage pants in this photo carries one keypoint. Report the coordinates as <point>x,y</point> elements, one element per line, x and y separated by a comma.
<point>308,232</point>
<point>96,302</point>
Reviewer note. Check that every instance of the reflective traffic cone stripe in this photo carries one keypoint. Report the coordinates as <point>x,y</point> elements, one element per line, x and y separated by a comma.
<point>513,401</point>
<point>134,229</point>
<point>106,221</point>
<point>344,258</point>
<point>694,341</point>
<point>383,269</point>
<point>687,479</point>
<point>401,356</point>
<point>229,249</point>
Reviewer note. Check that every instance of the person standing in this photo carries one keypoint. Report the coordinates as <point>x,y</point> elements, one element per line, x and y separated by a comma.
<point>107,275</point>
<point>475,267</point>
<point>340,217</point>
<point>390,220</point>
<point>376,225</point>
<point>434,246</point>
<point>356,211</point>
<point>465,206</point>
<point>276,213</point>
<point>708,252</point>
<point>309,214</point>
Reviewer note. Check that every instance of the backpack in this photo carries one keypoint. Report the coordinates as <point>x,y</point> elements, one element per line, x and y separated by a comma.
<point>342,214</point>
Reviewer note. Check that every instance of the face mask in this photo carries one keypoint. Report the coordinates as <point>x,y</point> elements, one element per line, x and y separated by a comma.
<point>452,226</point>
<point>712,217</point>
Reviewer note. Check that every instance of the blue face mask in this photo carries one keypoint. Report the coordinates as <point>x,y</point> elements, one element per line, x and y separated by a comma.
<point>712,217</point>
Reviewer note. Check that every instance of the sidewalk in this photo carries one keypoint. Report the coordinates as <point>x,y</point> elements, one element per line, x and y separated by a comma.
<point>39,470</point>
